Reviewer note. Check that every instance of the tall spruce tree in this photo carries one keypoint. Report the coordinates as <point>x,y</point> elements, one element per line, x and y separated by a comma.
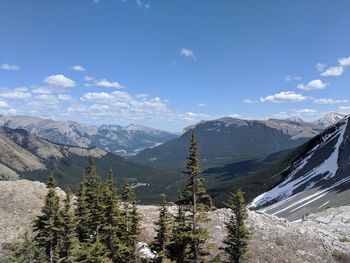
<point>113,222</point>
<point>47,225</point>
<point>238,234</point>
<point>180,235</point>
<point>197,201</point>
<point>68,240</point>
<point>135,230</point>
<point>163,228</point>
<point>131,217</point>
<point>82,214</point>
<point>93,190</point>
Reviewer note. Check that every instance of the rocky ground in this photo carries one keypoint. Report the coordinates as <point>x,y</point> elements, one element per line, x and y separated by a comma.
<point>322,237</point>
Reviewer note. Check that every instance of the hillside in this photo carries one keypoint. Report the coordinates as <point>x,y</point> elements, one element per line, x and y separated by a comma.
<point>274,239</point>
<point>112,138</point>
<point>226,140</point>
<point>24,155</point>
<point>317,178</point>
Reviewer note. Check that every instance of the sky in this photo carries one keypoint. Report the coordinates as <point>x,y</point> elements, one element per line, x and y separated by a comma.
<point>169,64</point>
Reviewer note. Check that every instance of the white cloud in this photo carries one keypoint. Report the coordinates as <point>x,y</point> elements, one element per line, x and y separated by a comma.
<point>237,116</point>
<point>305,111</point>
<point>344,62</point>
<point>64,97</point>
<point>333,71</point>
<point>330,101</point>
<point>6,66</point>
<point>187,53</point>
<point>142,4</point>
<point>104,96</point>
<point>202,105</point>
<point>289,78</point>
<point>344,109</point>
<point>320,66</point>
<point>3,104</point>
<point>102,83</point>
<point>15,94</point>
<point>78,68</point>
<point>87,78</point>
<point>99,107</point>
<point>40,90</point>
<point>59,81</point>
<point>284,96</point>
<point>108,84</point>
<point>313,85</point>
<point>248,101</point>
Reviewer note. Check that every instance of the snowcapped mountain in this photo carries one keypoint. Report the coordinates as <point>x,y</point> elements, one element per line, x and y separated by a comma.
<point>329,119</point>
<point>113,138</point>
<point>319,178</point>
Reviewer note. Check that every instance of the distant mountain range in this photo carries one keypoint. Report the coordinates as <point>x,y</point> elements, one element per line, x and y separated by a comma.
<point>112,138</point>
<point>232,152</point>
<point>316,179</point>
<point>26,156</point>
<point>226,140</point>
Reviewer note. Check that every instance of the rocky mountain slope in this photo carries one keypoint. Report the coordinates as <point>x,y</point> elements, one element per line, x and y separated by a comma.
<point>112,138</point>
<point>227,139</point>
<point>319,238</point>
<point>24,155</point>
<point>317,179</point>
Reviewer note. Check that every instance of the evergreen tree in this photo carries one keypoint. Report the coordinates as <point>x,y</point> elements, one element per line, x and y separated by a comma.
<point>197,201</point>
<point>90,205</point>
<point>27,252</point>
<point>163,228</point>
<point>47,225</point>
<point>68,243</point>
<point>94,252</point>
<point>131,220</point>
<point>112,227</point>
<point>180,235</point>
<point>238,235</point>
<point>127,196</point>
<point>135,230</point>
<point>82,214</point>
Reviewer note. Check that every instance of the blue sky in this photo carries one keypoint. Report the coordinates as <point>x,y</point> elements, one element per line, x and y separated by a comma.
<point>168,64</point>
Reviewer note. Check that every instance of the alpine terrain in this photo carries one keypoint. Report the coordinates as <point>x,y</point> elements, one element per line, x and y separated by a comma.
<point>124,141</point>
<point>26,156</point>
<point>317,179</point>
<point>228,139</point>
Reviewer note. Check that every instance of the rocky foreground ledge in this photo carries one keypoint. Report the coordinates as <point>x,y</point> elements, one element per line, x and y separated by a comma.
<point>322,237</point>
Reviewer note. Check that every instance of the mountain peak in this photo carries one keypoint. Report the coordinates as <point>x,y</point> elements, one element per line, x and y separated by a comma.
<point>329,119</point>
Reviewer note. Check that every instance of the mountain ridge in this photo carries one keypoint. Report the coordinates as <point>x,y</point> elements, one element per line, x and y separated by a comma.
<point>318,178</point>
<point>121,140</point>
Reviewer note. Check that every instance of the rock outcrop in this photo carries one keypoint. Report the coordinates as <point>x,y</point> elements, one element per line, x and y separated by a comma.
<point>322,237</point>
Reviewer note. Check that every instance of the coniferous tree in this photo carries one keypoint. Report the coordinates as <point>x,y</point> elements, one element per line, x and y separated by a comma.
<point>93,189</point>
<point>47,225</point>
<point>127,196</point>
<point>180,235</point>
<point>197,201</point>
<point>135,230</point>
<point>238,235</point>
<point>27,252</point>
<point>89,211</point>
<point>112,227</point>
<point>131,228</point>
<point>68,241</point>
<point>163,228</point>
<point>82,215</point>
<point>94,252</point>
